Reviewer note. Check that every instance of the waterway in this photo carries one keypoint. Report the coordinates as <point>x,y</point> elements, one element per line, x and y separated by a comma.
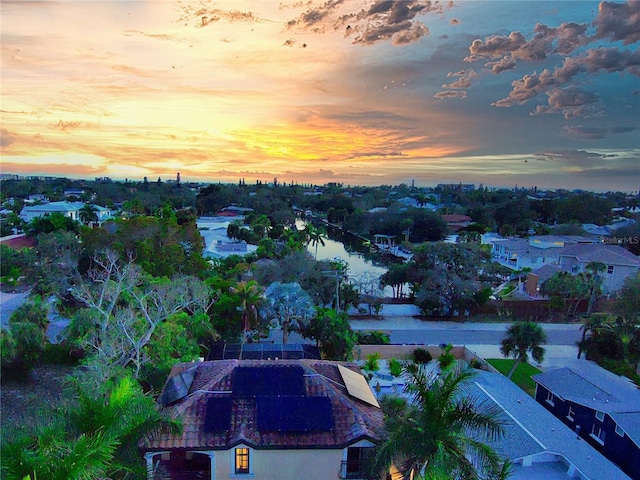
<point>364,266</point>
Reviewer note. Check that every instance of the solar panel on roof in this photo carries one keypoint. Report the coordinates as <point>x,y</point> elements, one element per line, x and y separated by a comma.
<point>178,386</point>
<point>294,414</point>
<point>357,386</point>
<point>268,381</point>
<point>218,415</point>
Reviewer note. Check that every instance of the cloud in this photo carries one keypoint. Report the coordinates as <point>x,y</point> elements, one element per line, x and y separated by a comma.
<point>202,15</point>
<point>382,21</point>
<point>62,125</point>
<point>571,102</point>
<point>618,21</point>
<point>596,133</point>
<point>612,60</point>
<point>505,63</point>
<point>450,94</point>
<point>6,137</point>
<point>547,40</point>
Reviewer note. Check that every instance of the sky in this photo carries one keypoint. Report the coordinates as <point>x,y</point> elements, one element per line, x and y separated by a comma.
<point>500,93</point>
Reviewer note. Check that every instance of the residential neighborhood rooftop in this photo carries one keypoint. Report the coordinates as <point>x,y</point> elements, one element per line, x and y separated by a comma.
<point>266,404</point>
<point>535,436</point>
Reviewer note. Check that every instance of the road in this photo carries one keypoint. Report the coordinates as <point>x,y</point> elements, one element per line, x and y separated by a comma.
<point>481,338</point>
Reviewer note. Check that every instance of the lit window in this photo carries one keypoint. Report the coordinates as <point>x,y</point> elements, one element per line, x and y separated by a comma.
<point>609,269</point>
<point>619,431</point>
<point>242,460</point>
<point>600,416</point>
<point>571,414</point>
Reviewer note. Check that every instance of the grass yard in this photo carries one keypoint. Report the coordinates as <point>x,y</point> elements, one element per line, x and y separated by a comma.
<point>522,375</point>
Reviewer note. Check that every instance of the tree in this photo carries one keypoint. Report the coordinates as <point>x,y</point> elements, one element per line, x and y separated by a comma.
<point>566,291</point>
<point>314,237</point>
<point>332,333</point>
<point>521,339</point>
<point>96,437</point>
<point>438,432</point>
<point>595,281</point>
<point>289,307</point>
<point>88,214</point>
<point>128,306</point>
<point>250,295</point>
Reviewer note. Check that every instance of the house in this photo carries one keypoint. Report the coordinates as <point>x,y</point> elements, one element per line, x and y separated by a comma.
<point>620,263</point>
<point>600,407</point>
<point>456,222</point>
<point>68,209</point>
<point>536,442</point>
<point>266,419</point>
<point>533,252</point>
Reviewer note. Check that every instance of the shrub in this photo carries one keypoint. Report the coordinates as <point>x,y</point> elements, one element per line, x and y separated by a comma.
<point>372,365</point>
<point>395,367</point>
<point>475,363</point>
<point>373,338</point>
<point>446,358</point>
<point>421,355</point>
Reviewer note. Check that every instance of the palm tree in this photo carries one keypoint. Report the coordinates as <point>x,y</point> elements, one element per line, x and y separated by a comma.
<point>591,324</point>
<point>595,281</point>
<point>521,339</point>
<point>290,307</point>
<point>96,437</point>
<point>88,214</point>
<point>314,236</point>
<point>250,296</point>
<point>438,432</point>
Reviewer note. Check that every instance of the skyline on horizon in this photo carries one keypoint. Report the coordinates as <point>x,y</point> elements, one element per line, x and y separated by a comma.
<point>499,93</point>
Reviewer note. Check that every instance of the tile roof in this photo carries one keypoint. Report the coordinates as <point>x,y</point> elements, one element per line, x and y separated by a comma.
<point>352,419</point>
<point>595,252</point>
<point>534,431</point>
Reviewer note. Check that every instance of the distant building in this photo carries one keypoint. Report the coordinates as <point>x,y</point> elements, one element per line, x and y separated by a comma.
<point>462,187</point>
<point>68,209</point>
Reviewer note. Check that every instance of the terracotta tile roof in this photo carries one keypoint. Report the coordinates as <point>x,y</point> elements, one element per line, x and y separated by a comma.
<point>19,241</point>
<point>352,419</point>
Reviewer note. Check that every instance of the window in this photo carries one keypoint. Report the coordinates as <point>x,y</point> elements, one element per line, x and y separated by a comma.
<point>242,461</point>
<point>550,398</point>
<point>609,269</point>
<point>571,414</point>
<point>598,434</point>
<point>619,431</point>
<point>357,459</point>
<point>600,416</point>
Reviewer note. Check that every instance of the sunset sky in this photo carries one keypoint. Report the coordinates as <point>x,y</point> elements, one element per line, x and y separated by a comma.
<point>501,93</point>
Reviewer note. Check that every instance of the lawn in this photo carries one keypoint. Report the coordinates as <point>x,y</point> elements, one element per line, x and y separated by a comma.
<point>522,375</point>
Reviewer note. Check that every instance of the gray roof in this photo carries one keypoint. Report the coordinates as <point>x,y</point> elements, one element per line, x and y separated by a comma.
<point>599,389</point>
<point>596,252</point>
<point>535,431</point>
<point>546,272</point>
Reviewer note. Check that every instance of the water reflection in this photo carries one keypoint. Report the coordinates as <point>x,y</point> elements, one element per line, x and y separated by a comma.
<point>365,267</point>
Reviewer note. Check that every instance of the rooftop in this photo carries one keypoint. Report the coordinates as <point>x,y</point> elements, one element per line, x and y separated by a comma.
<point>228,402</point>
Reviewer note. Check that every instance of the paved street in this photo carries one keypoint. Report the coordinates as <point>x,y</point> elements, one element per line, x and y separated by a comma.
<point>481,338</point>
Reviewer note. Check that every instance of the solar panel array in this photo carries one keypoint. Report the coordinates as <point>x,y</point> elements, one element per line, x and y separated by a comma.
<point>268,381</point>
<point>178,386</point>
<point>294,414</point>
<point>218,414</point>
<point>357,386</point>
